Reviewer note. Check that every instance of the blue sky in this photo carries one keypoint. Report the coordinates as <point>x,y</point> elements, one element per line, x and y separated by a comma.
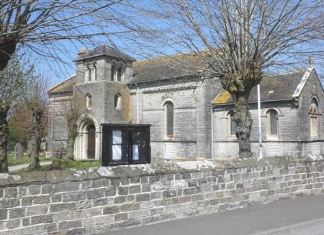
<point>57,57</point>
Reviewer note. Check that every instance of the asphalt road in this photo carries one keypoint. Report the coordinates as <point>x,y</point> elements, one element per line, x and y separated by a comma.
<point>300,216</point>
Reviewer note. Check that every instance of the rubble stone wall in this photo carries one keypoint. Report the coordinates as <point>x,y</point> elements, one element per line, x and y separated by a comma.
<point>108,198</point>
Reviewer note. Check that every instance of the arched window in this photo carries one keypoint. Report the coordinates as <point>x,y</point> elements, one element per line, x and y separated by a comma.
<point>119,74</point>
<point>117,101</point>
<point>313,108</point>
<point>88,101</point>
<point>313,112</point>
<point>95,73</point>
<point>90,71</point>
<point>272,123</point>
<point>169,115</point>
<point>89,74</point>
<point>113,71</point>
<point>232,124</point>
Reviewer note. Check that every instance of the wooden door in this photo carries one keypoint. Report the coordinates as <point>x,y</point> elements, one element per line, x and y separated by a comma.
<point>91,142</point>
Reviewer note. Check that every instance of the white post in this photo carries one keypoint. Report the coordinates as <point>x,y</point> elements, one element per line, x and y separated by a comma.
<point>212,134</point>
<point>137,104</point>
<point>259,117</point>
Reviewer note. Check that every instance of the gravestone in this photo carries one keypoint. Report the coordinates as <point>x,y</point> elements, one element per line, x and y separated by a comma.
<point>18,152</point>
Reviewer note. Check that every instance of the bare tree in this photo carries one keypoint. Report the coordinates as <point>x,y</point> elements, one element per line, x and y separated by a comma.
<point>37,107</point>
<point>70,110</point>
<point>239,39</point>
<point>14,80</point>
<point>33,23</point>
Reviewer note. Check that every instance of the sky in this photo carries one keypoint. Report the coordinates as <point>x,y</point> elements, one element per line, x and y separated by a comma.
<point>56,58</point>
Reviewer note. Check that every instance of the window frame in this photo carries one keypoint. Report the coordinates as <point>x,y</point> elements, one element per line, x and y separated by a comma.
<point>90,72</point>
<point>117,71</point>
<point>120,74</point>
<point>169,119</point>
<point>232,128</point>
<point>313,115</point>
<point>271,113</point>
<point>117,101</point>
<point>88,99</point>
<point>113,72</point>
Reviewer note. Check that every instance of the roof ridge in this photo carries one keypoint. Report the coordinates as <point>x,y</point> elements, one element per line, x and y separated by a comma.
<point>104,50</point>
<point>60,83</point>
<point>168,56</point>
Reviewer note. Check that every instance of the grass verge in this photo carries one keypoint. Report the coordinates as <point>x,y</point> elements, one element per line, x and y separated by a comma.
<point>42,158</point>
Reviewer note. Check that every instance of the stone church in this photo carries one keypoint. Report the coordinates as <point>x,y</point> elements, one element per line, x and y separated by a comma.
<point>189,114</point>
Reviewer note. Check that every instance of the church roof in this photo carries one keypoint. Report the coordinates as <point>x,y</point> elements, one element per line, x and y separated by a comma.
<point>272,88</point>
<point>103,50</point>
<point>65,86</point>
<point>168,67</point>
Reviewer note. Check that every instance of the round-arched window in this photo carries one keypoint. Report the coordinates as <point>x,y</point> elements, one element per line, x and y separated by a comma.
<point>88,101</point>
<point>117,101</point>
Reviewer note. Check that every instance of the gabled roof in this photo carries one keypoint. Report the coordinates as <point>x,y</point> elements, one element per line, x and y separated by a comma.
<point>303,81</point>
<point>103,50</point>
<point>168,67</point>
<point>277,87</point>
<point>65,86</point>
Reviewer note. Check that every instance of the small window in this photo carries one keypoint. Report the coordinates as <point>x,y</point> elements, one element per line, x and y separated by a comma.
<point>117,101</point>
<point>113,71</point>
<point>232,124</point>
<point>86,74</point>
<point>119,74</point>
<point>95,73</point>
<point>88,101</point>
<point>169,115</point>
<point>313,111</point>
<point>272,122</point>
<point>89,74</point>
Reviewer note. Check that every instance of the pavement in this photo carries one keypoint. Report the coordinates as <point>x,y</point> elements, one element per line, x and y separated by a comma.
<point>299,216</point>
<point>21,166</point>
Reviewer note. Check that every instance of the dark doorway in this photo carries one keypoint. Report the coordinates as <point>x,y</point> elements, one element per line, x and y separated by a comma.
<point>91,142</point>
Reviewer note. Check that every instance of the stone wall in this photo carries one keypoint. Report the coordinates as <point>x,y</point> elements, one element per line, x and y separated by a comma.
<point>191,98</point>
<point>107,198</point>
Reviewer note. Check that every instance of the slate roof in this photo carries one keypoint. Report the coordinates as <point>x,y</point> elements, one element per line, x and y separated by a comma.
<point>168,67</point>
<point>65,86</point>
<point>103,50</point>
<point>272,88</point>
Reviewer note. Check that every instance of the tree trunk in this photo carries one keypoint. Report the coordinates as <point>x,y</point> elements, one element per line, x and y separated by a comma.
<point>4,133</point>
<point>239,85</point>
<point>70,147</point>
<point>34,140</point>
<point>72,134</point>
<point>243,126</point>
<point>7,48</point>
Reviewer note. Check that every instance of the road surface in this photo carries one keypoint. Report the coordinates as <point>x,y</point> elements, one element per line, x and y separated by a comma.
<point>300,216</point>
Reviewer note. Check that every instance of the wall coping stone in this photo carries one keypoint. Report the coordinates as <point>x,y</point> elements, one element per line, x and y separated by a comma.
<point>58,176</point>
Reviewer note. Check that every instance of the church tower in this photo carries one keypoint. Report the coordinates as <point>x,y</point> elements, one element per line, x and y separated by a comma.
<point>102,76</point>
<point>101,80</point>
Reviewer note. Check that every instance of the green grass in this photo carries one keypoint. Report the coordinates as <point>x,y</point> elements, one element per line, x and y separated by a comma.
<point>42,158</point>
<point>25,160</point>
<point>77,164</point>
